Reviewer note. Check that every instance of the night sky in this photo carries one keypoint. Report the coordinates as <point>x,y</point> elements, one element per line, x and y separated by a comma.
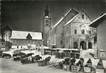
<point>28,15</point>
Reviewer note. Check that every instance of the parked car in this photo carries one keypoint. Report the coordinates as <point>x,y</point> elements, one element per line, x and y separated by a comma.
<point>44,62</point>
<point>36,58</point>
<point>27,58</point>
<point>18,56</point>
<point>9,54</point>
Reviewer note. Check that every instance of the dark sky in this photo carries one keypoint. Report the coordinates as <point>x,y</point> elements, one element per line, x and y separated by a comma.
<point>27,15</point>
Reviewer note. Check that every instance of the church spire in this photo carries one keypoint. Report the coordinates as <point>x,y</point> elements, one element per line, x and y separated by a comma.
<point>47,11</point>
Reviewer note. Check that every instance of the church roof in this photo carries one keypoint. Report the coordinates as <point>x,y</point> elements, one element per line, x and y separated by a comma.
<point>24,34</point>
<point>71,13</point>
<point>96,22</point>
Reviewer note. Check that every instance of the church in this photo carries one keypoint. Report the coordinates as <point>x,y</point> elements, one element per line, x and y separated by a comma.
<point>71,31</point>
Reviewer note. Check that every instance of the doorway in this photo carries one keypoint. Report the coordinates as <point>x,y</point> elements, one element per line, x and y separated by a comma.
<point>75,45</point>
<point>83,45</point>
<point>89,45</point>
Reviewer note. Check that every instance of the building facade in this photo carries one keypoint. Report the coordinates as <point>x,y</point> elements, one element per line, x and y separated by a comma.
<point>20,39</point>
<point>100,25</point>
<point>72,31</point>
<point>57,31</point>
<point>77,32</point>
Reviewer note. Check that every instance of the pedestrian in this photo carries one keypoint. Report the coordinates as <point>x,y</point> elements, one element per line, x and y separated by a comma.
<point>80,65</point>
<point>72,63</point>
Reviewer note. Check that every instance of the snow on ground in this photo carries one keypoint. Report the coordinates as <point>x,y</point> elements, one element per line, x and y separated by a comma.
<point>86,53</point>
<point>10,66</point>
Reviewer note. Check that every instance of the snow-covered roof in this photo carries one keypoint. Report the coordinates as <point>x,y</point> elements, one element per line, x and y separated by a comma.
<point>23,35</point>
<point>94,23</point>
<point>71,20</point>
<point>28,51</point>
<point>61,19</point>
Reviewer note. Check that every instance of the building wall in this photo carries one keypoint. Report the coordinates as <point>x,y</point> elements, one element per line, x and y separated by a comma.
<point>64,33</point>
<point>52,38</point>
<point>101,38</point>
<point>58,31</point>
<point>25,42</point>
<point>73,31</point>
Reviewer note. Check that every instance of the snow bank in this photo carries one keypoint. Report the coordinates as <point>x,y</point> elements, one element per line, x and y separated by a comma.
<point>86,53</point>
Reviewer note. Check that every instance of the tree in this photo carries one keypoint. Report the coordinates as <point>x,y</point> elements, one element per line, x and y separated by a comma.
<point>8,45</point>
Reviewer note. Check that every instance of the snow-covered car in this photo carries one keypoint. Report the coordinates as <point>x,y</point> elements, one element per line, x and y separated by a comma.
<point>30,56</point>
<point>9,54</point>
<point>27,53</point>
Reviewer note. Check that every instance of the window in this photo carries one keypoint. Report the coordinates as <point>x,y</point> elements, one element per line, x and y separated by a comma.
<point>83,31</point>
<point>95,39</point>
<point>75,31</point>
<point>47,24</point>
<point>89,32</point>
<point>82,16</point>
<point>47,21</point>
<point>75,45</point>
<point>89,45</point>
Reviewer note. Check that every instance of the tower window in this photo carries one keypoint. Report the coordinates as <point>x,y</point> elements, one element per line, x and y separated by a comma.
<point>47,21</point>
<point>47,24</point>
<point>89,32</point>
<point>83,31</point>
<point>75,31</point>
<point>82,16</point>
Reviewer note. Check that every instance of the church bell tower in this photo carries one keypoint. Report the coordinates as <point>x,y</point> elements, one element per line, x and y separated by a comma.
<point>46,25</point>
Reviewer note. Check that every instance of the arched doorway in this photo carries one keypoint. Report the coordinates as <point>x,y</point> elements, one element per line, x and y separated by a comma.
<point>75,45</point>
<point>83,45</point>
<point>89,45</point>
